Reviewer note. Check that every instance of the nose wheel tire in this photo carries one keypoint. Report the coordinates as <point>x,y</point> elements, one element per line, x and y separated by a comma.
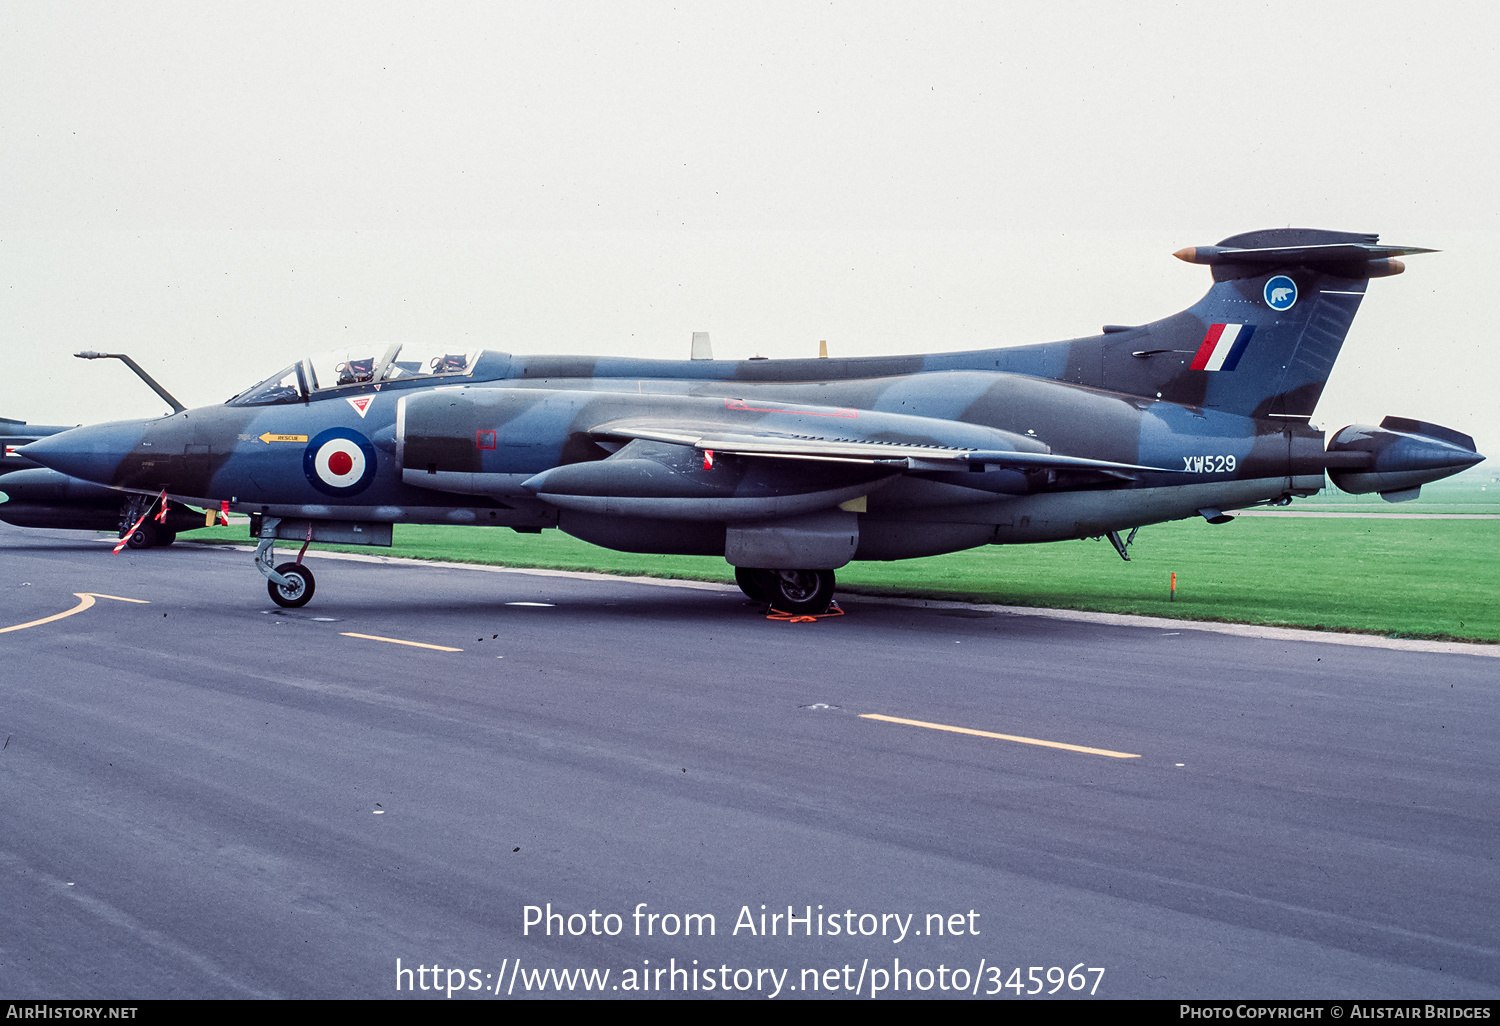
<point>798,591</point>
<point>298,592</point>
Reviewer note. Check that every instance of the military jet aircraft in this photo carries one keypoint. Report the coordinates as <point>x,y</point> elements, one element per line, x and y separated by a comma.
<point>34,496</point>
<point>789,469</point>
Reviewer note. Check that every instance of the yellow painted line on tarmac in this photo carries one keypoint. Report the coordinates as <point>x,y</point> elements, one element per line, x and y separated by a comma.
<point>999,737</point>
<point>398,641</point>
<point>85,601</point>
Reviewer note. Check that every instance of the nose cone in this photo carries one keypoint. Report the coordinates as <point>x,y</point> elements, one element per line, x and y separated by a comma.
<point>94,453</point>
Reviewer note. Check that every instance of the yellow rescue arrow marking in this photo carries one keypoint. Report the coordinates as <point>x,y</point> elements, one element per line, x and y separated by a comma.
<point>268,438</point>
<point>85,601</point>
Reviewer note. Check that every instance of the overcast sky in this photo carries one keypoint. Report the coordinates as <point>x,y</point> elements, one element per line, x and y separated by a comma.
<point>219,188</point>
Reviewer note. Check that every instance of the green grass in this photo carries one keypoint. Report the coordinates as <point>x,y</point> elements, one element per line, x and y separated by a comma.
<point>1406,578</point>
<point>1471,492</point>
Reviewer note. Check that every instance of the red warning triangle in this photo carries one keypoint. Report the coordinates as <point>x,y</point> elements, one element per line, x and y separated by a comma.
<point>361,404</point>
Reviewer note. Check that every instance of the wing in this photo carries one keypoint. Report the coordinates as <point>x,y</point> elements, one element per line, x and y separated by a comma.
<point>907,455</point>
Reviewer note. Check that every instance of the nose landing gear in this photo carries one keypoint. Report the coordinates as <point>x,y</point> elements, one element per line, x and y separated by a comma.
<point>144,531</point>
<point>290,585</point>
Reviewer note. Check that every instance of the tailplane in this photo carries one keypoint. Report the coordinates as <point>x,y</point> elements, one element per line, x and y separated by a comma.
<point>1263,341</point>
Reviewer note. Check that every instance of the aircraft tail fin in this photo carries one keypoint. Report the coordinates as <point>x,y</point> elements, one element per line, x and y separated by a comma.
<point>1263,341</point>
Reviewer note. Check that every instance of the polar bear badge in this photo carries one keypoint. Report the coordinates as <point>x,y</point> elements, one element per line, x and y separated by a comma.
<point>1281,293</point>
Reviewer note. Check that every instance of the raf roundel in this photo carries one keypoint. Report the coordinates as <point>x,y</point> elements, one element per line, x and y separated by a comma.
<point>339,462</point>
<point>1280,293</point>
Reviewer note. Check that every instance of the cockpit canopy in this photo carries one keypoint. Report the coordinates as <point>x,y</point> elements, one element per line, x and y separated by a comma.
<point>357,369</point>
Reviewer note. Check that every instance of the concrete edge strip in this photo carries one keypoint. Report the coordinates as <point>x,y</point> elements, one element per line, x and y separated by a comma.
<point>1364,516</point>
<point>1243,630</point>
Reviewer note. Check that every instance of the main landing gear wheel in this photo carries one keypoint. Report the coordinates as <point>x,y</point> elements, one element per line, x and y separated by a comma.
<point>296,594</point>
<point>798,591</point>
<point>753,583</point>
<point>165,537</point>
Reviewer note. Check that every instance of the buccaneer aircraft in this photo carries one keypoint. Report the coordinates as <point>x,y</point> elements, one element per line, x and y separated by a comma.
<point>789,469</point>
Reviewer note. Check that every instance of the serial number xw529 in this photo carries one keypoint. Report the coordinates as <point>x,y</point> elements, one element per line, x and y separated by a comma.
<point>1208,464</point>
